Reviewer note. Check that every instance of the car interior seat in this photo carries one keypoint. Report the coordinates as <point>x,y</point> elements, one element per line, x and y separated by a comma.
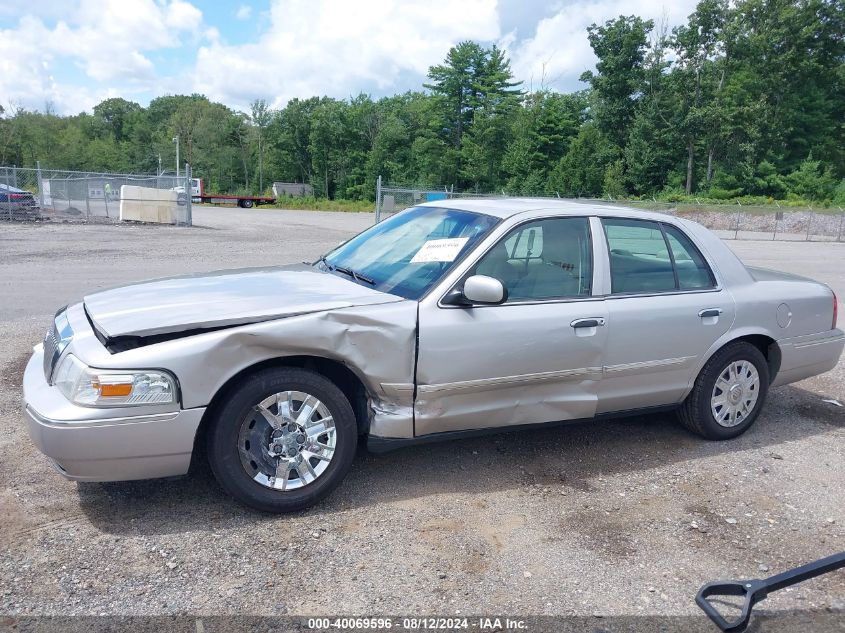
<point>496,264</point>
<point>561,274</point>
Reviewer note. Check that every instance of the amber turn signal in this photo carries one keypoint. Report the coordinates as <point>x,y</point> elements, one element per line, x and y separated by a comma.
<point>115,390</point>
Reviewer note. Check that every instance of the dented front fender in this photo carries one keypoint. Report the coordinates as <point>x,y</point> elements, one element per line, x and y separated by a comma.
<point>376,342</point>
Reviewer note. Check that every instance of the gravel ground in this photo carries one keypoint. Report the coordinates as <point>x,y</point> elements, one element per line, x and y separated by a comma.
<point>615,518</point>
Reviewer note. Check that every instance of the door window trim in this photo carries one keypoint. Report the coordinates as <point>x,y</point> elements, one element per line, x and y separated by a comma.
<point>677,290</point>
<point>569,299</point>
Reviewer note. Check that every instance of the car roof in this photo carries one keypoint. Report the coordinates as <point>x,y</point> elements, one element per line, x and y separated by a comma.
<point>11,189</point>
<point>508,207</point>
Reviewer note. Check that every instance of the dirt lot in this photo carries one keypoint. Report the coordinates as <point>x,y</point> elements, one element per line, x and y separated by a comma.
<point>614,518</point>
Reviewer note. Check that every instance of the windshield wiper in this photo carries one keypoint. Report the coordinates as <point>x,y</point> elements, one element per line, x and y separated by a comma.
<point>346,271</point>
<point>354,275</point>
<point>323,261</point>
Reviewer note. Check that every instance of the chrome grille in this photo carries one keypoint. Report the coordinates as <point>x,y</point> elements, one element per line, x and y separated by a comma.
<point>51,346</point>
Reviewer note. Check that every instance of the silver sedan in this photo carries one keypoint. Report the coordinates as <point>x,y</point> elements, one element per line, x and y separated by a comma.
<point>450,318</point>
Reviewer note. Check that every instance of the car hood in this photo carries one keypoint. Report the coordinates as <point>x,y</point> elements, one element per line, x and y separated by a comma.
<point>223,299</point>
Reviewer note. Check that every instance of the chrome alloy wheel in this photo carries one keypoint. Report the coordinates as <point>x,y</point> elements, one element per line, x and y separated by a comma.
<point>735,393</point>
<point>287,440</point>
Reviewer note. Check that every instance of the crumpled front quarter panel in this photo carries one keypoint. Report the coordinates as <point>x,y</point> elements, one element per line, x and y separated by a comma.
<point>376,342</point>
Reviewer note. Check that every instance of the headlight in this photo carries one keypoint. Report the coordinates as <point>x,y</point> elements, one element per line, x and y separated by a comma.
<point>109,387</point>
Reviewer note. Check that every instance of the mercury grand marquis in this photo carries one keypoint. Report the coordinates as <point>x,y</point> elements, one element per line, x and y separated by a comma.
<point>449,318</point>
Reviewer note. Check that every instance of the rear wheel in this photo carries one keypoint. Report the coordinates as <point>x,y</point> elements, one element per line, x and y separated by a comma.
<point>728,393</point>
<point>285,439</point>
<point>246,204</point>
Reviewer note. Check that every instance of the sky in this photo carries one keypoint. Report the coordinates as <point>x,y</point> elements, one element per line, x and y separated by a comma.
<point>68,55</point>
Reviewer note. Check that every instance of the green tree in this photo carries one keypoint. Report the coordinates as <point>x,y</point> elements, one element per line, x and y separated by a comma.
<point>543,130</point>
<point>260,116</point>
<point>811,180</point>
<point>289,135</point>
<point>581,172</point>
<point>326,145</point>
<point>614,184</point>
<point>116,114</point>
<point>620,46</point>
<point>473,84</point>
<point>695,75</point>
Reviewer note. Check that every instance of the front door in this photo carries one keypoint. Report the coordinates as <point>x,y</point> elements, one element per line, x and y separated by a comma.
<point>535,358</point>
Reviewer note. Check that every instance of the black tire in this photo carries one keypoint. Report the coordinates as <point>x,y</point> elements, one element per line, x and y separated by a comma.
<point>696,414</point>
<point>246,204</point>
<point>223,434</point>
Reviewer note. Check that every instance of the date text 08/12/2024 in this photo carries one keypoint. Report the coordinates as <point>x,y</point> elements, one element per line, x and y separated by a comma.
<point>493,623</point>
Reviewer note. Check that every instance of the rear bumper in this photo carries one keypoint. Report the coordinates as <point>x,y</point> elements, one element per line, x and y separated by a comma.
<point>806,356</point>
<point>120,445</point>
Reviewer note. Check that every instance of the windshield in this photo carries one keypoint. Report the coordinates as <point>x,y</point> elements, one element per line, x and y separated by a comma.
<point>408,253</point>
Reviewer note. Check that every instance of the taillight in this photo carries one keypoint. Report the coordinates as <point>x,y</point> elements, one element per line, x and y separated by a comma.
<point>835,310</point>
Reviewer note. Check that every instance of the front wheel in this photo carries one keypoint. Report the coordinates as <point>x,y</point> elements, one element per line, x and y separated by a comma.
<point>284,439</point>
<point>728,393</point>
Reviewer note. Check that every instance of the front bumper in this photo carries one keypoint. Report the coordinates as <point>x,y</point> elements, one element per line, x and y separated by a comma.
<point>89,444</point>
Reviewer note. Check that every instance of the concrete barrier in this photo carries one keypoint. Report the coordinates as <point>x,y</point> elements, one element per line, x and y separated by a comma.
<point>145,204</point>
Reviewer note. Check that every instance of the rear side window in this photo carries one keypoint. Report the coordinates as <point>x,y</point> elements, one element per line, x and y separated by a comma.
<point>648,256</point>
<point>639,257</point>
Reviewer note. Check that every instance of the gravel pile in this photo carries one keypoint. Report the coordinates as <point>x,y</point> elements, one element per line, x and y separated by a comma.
<point>791,224</point>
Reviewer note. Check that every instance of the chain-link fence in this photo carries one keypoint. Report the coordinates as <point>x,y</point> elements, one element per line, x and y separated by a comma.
<point>729,221</point>
<point>756,222</point>
<point>35,194</point>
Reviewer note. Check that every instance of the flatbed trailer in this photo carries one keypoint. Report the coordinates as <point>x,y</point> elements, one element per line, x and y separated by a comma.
<point>245,202</point>
<point>200,195</point>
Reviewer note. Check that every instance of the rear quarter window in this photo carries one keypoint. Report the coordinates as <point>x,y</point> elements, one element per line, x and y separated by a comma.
<point>693,271</point>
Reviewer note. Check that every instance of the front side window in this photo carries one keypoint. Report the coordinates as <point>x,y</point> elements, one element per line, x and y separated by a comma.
<point>408,253</point>
<point>543,259</point>
<point>647,256</point>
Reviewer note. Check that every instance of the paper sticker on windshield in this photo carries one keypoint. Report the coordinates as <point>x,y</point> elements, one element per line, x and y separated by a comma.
<point>440,250</point>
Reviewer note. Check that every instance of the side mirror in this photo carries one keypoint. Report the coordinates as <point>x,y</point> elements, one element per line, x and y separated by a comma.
<point>483,289</point>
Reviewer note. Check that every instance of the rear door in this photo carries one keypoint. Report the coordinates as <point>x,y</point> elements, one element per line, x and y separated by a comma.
<point>665,310</point>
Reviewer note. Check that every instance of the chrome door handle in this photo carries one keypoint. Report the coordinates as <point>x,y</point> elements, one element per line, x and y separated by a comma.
<point>710,312</point>
<point>589,322</point>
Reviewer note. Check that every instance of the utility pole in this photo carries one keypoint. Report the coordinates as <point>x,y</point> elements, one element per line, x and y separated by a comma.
<point>159,163</point>
<point>176,140</point>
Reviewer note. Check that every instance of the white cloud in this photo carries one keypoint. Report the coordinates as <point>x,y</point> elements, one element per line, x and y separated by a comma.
<point>558,52</point>
<point>46,8</point>
<point>75,53</point>
<point>212,35</point>
<point>182,16</point>
<point>108,40</point>
<point>336,47</point>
